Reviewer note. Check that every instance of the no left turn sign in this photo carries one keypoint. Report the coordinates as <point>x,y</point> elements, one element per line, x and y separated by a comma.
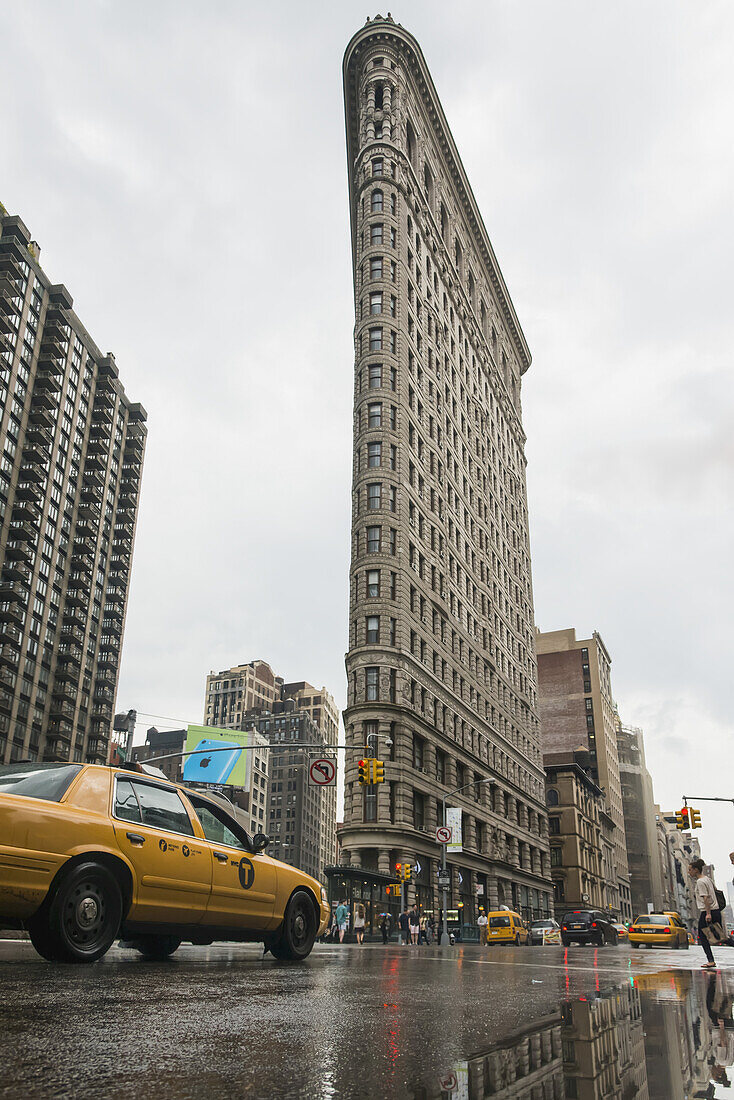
<point>322,772</point>
<point>443,834</point>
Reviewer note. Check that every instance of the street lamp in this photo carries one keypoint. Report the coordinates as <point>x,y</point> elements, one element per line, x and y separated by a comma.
<point>444,941</point>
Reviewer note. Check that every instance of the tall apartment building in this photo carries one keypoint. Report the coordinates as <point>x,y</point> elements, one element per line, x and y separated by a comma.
<point>638,805</point>
<point>441,666</point>
<point>236,694</point>
<point>71,457</point>
<point>577,712</point>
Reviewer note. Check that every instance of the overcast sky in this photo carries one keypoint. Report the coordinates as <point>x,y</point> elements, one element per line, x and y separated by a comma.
<point>183,168</point>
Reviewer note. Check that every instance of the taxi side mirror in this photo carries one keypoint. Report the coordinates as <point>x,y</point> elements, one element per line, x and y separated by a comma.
<point>260,842</point>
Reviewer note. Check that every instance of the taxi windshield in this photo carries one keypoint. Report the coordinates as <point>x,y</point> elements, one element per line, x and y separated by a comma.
<point>48,781</point>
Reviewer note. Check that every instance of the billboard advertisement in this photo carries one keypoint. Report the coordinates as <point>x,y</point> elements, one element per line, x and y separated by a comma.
<point>218,756</point>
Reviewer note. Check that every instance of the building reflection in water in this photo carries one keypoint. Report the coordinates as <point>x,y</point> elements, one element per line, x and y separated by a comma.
<point>665,1036</point>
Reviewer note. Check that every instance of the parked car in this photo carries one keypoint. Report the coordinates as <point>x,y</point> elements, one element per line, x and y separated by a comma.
<point>89,853</point>
<point>622,930</point>
<point>505,926</point>
<point>659,930</point>
<point>538,927</point>
<point>588,926</point>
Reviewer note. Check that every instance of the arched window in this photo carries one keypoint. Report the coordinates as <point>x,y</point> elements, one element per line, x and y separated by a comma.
<point>377,202</point>
<point>428,184</point>
<point>411,143</point>
<point>551,797</point>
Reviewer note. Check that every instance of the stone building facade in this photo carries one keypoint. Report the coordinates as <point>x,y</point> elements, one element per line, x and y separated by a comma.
<point>441,665</point>
<point>71,458</point>
<point>577,712</point>
<point>581,831</point>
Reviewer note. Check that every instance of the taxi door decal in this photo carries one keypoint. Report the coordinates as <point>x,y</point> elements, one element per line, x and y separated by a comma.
<point>246,872</point>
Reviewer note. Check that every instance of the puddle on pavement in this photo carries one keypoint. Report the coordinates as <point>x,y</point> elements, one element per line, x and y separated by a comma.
<point>665,1036</point>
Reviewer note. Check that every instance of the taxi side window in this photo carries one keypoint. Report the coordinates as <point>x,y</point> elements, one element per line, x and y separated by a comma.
<point>126,804</point>
<point>216,830</point>
<point>163,809</point>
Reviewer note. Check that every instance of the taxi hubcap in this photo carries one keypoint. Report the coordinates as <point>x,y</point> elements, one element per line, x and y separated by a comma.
<point>299,925</point>
<point>87,911</point>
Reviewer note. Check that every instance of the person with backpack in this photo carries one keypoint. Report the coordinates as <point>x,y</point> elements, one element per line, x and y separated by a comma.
<point>710,902</point>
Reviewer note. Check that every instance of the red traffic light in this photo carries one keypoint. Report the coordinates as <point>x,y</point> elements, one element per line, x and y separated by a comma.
<point>361,763</point>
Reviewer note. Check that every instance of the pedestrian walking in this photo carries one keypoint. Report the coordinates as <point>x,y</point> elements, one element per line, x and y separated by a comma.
<point>342,919</point>
<point>385,924</point>
<point>709,919</point>
<point>359,920</point>
<point>404,928</point>
<point>414,921</point>
<point>431,929</point>
<point>482,926</point>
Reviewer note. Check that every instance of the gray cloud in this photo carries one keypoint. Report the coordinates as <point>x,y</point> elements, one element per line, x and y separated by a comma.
<point>184,171</point>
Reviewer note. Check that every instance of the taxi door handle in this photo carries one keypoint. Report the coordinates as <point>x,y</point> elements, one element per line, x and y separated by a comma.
<point>220,856</point>
<point>135,838</point>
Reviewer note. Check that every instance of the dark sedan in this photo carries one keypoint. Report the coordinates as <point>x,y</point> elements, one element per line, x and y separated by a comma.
<point>588,926</point>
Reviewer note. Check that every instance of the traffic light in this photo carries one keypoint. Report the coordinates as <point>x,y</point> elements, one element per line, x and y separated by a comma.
<point>378,771</point>
<point>363,771</point>
<point>407,871</point>
<point>399,871</point>
<point>681,818</point>
<point>695,818</point>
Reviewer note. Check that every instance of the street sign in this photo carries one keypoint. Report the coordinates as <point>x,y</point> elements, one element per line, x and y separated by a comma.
<point>443,835</point>
<point>322,773</point>
<point>444,880</point>
<point>448,1083</point>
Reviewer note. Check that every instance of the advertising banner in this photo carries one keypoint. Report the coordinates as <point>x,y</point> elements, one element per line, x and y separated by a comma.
<point>230,767</point>
<point>453,821</point>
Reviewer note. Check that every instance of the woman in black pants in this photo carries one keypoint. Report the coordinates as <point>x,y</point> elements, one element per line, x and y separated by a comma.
<point>709,912</point>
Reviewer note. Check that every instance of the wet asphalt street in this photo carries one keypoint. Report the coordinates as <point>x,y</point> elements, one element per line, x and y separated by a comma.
<point>354,1022</point>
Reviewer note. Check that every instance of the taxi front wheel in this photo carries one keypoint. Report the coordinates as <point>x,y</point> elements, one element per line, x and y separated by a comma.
<point>83,918</point>
<point>300,926</point>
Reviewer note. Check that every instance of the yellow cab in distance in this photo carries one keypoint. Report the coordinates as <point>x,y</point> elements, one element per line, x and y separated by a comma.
<point>505,926</point>
<point>90,853</point>
<point>659,930</point>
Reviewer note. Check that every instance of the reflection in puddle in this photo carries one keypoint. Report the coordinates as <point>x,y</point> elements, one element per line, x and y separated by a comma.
<point>666,1036</point>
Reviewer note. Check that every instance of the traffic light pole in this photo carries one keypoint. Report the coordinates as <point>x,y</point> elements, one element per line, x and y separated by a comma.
<point>705,799</point>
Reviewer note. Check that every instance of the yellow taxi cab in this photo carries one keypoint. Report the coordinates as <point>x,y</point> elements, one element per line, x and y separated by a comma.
<point>505,926</point>
<point>90,853</point>
<point>622,931</point>
<point>659,930</point>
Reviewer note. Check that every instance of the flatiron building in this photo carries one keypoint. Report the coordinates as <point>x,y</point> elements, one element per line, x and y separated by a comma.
<point>442,676</point>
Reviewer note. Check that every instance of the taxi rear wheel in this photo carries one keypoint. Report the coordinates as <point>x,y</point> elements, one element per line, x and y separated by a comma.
<point>84,916</point>
<point>299,929</point>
